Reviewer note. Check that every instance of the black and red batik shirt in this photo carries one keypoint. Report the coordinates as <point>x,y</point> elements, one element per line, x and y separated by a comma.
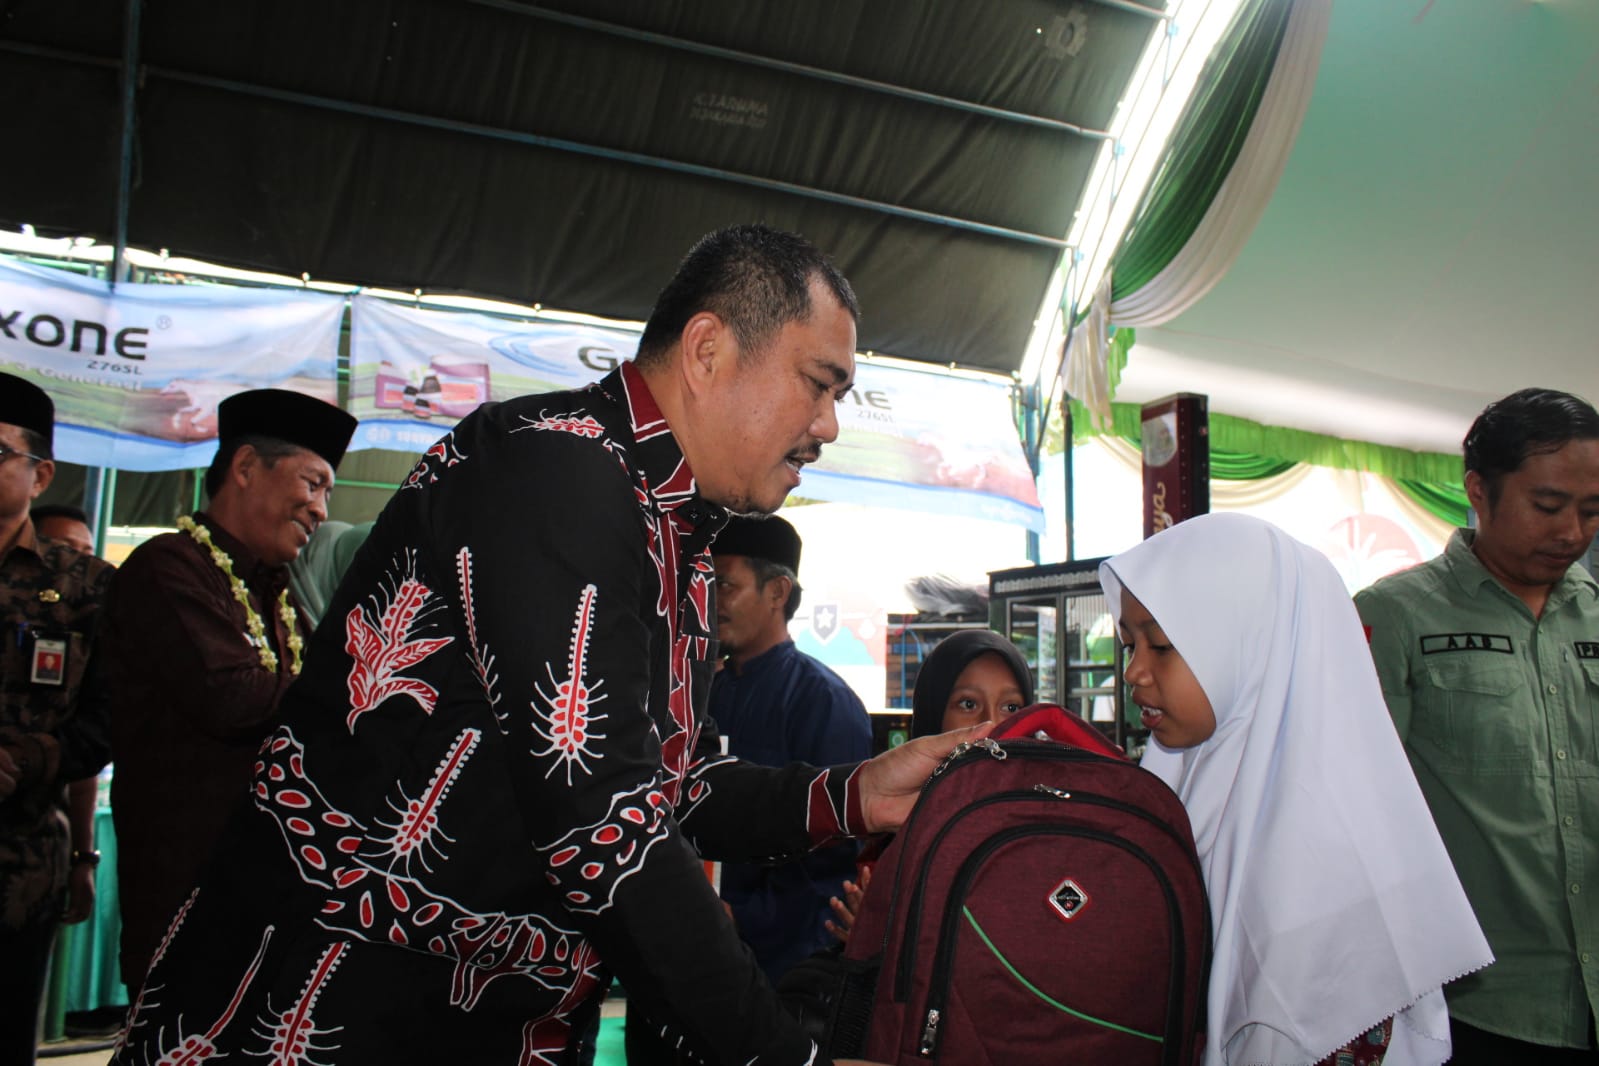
<point>491,789</point>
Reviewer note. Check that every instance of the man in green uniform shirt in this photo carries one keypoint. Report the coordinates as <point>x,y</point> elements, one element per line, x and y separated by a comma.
<point>1489,660</point>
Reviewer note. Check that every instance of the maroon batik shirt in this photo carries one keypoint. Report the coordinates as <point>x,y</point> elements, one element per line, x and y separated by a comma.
<point>495,773</point>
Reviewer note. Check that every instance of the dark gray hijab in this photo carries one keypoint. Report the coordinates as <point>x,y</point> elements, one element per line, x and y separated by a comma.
<point>945,663</point>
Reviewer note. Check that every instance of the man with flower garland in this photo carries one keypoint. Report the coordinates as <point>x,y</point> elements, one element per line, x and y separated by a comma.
<point>207,637</point>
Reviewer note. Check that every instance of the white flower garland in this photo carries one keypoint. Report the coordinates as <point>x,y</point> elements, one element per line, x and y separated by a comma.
<point>252,621</point>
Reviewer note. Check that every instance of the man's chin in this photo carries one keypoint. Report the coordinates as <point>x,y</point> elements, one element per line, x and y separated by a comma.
<point>756,506</point>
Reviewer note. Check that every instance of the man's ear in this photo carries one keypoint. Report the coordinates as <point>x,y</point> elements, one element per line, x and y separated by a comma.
<point>245,464</point>
<point>1477,492</point>
<point>777,590</point>
<point>44,472</point>
<point>708,346</point>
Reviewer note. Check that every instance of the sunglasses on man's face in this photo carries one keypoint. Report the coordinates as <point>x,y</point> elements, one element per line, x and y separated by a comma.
<point>6,452</point>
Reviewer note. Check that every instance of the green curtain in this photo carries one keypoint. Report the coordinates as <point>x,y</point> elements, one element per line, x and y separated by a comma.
<point>1230,466</point>
<point>1447,501</point>
<point>1279,443</point>
<point>1241,466</point>
<point>1116,355</point>
<point>1204,145</point>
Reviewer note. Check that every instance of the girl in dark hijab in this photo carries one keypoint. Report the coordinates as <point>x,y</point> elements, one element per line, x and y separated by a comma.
<point>972,676</point>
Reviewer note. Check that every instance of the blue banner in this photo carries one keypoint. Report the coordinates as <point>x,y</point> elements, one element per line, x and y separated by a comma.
<point>137,372</point>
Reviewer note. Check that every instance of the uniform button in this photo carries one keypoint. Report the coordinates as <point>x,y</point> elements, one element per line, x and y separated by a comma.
<point>1560,754</point>
<point>1569,820</point>
<point>1553,689</point>
<point>1585,956</point>
<point>1575,888</point>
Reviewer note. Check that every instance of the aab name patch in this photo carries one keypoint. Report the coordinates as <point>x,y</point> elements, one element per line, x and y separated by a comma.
<point>1441,642</point>
<point>1587,649</point>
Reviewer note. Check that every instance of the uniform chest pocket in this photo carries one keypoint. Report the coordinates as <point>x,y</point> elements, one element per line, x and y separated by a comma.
<point>1590,701</point>
<point>1477,712</point>
<point>1590,670</point>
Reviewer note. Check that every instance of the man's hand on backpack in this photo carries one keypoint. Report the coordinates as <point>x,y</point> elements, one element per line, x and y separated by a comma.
<point>890,782</point>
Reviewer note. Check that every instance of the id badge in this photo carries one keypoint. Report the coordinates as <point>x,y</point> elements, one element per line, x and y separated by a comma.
<point>49,660</point>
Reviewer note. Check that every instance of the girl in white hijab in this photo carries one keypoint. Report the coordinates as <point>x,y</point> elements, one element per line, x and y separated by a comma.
<point>1333,902</point>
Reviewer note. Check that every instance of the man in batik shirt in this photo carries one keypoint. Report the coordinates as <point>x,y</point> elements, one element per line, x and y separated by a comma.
<point>52,711</point>
<point>492,781</point>
<point>206,639</point>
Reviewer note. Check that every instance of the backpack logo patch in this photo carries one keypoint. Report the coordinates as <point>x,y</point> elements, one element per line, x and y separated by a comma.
<point>1068,899</point>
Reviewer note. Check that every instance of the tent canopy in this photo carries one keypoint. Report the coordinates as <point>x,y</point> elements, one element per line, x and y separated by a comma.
<point>1433,242</point>
<point>568,153</point>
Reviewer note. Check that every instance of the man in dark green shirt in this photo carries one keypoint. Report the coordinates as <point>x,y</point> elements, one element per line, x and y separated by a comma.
<point>1489,660</point>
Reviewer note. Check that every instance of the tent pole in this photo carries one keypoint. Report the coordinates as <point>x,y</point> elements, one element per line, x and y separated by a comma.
<point>99,498</point>
<point>130,88</point>
<point>1071,513</point>
<point>1032,448</point>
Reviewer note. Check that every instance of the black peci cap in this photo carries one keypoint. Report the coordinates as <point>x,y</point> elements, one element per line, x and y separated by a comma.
<point>768,538</point>
<point>22,403</point>
<point>292,416</point>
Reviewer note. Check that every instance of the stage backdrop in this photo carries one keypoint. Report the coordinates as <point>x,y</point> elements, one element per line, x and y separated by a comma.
<point>908,438</point>
<point>136,373</point>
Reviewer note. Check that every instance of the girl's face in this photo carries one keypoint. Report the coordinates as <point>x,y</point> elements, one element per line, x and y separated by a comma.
<point>985,691</point>
<point>1176,709</point>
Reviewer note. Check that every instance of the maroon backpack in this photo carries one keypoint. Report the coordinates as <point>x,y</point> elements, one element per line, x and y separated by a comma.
<point>1043,903</point>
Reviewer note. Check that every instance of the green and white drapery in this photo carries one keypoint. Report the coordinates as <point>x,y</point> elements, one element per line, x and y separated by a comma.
<point>1224,163</point>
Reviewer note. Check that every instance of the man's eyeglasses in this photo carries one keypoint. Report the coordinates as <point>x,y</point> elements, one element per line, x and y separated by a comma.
<point>7,452</point>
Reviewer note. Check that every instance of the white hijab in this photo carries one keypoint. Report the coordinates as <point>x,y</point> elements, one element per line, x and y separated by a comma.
<point>1333,901</point>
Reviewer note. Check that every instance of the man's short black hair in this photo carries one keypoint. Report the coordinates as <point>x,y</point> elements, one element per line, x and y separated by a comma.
<point>765,570</point>
<point>1523,424</point>
<point>270,449</point>
<point>58,510</point>
<point>756,279</point>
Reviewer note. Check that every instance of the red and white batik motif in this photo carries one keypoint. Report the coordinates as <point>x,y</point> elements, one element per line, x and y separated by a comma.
<point>372,896</point>
<point>382,640</point>
<point>563,715</point>
<point>831,815</point>
<point>578,423</point>
<point>292,1034</point>
<point>441,456</point>
<point>482,657</point>
<point>665,531</point>
<point>698,788</point>
<point>588,863</point>
<point>134,1019</point>
<point>416,833</point>
<point>199,1047</point>
<point>664,537</point>
<point>664,544</point>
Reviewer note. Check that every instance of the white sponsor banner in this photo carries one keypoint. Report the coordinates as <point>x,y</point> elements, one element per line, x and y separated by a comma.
<point>136,373</point>
<point>926,441</point>
<point>415,372</point>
